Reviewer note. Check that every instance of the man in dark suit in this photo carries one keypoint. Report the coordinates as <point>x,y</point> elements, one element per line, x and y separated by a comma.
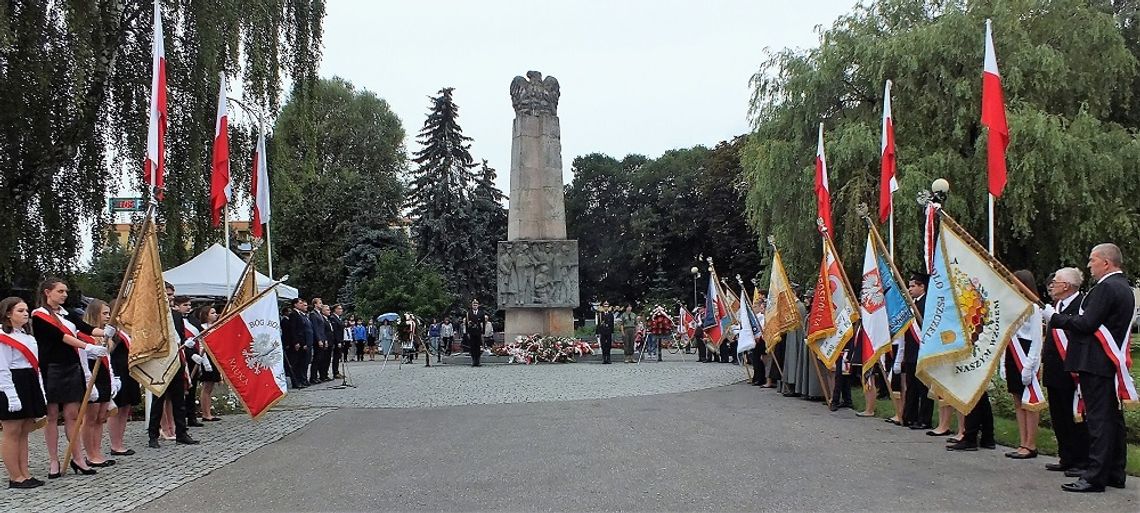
<point>918,406</point>
<point>473,320</point>
<point>337,323</point>
<point>1061,385</point>
<point>605,330</point>
<point>298,341</point>
<point>1099,335</point>
<point>320,341</point>
<point>176,389</point>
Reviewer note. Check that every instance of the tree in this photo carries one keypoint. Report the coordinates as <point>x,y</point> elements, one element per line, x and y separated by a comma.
<point>74,92</point>
<point>443,221</point>
<point>1072,164</point>
<point>598,215</point>
<point>400,285</point>
<point>334,160</point>
<point>490,220</point>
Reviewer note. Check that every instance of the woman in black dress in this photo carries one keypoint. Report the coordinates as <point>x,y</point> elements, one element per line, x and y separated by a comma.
<point>129,396</point>
<point>207,315</point>
<point>21,396</point>
<point>56,331</point>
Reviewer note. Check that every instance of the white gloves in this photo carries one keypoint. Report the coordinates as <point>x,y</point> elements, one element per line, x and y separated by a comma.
<point>897,369</point>
<point>1047,313</point>
<point>94,395</point>
<point>1028,372</point>
<point>14,403</point>
<point>190,343</point>
<point>95,351</point>
<point>206,366</point>
<point>116,385</point>
<point>109,331</point>
<point>197,358</point>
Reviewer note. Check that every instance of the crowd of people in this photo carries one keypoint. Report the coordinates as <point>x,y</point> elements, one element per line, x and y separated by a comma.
<point>48,355</point>
<point>1062,342</point>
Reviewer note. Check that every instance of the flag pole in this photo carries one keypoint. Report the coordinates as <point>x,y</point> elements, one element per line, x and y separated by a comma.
<point>268,197</point>
<point>891,228</point>
<point>229,283</point>
<point>991,216</point>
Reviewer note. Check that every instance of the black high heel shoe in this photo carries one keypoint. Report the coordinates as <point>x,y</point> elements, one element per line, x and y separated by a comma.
<point>106,463</point>
<point>78,470</point>
<point>58,473</point>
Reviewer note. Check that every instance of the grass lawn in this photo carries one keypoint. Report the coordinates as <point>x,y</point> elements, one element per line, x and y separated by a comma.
<point>1005,430</point>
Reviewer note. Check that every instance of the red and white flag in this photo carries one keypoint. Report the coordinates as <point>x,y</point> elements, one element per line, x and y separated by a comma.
<point>687,324</point>
<point>220,190</point>
<point>247,347</point>
<point>888,184</point>
<point>822,191</point>
<point>993,117</point>
<point>260,189</point>
<point>154,166</point>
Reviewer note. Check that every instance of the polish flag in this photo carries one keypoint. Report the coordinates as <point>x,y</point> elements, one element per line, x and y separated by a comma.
<point>260,189</point>
<point>155,164</point>
<point>247,347</point>
<point>688,325</point>
<point>822,192</point>
<point>887,182</point>
<point>220,189</point>
<point>993,117</point>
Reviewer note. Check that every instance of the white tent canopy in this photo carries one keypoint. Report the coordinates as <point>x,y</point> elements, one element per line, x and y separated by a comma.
<point>205,275</point>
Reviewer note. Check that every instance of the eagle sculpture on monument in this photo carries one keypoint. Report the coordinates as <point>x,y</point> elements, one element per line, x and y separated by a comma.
<point>535,95</point>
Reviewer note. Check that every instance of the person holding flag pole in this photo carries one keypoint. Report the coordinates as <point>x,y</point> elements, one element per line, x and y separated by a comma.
<point>749,332</point>
<point>782,314</point>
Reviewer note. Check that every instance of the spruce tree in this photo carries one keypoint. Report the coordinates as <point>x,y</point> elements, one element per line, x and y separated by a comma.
<point>490,218</point>
<point>440,198</point>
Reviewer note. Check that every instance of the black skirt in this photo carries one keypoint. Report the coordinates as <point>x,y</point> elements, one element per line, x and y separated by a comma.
<point>102,383</point>
<point>130,393</point>
<point>213,376</point>
<point>1012,373</point>
<point>31,397</point>
<point>64,383</point>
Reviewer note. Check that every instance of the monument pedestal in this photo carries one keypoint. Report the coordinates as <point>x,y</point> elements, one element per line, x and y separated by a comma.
<point>558,322</point>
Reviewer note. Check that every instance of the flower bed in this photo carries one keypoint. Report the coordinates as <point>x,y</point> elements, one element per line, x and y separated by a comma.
<point>537,348</point>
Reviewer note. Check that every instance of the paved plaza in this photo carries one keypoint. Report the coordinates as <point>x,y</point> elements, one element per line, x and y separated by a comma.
<point>670,436</point>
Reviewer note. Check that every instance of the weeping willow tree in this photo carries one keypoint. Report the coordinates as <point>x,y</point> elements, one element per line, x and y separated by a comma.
<point>74,92</point>
<point>1072,88</point>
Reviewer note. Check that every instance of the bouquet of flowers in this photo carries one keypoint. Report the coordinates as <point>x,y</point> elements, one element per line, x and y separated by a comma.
<point>537,348</point>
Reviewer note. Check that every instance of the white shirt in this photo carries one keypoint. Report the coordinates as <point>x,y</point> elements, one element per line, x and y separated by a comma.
<point>1102,278</point>
<point>10,358</point>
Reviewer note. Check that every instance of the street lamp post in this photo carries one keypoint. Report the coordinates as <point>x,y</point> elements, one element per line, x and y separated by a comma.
<point>696,272</point>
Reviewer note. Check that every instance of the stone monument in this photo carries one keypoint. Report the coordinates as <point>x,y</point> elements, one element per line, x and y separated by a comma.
<point>537,265</point>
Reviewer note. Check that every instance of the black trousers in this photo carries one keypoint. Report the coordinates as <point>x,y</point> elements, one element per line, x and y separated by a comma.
<point>475,345</point>
<point>841,393</point>
<point>337,353</point>
<point>756,355</point>
<point>320,367</point>
<point>606,340</point>
<point>702,351</point>
<point>919,407</point>
<point>300,360</point>
<point>777,362</point>
<point>175,393</point>
<point>1105,419</point>
<point>191,397</point>
<point>980,422</point>
<point>1072,437</point>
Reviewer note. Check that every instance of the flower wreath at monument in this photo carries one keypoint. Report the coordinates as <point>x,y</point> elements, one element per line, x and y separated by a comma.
<point>537,348</point>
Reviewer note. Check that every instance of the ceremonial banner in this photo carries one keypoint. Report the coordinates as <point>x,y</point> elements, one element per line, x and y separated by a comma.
<point>780,312</point>
<point>716,319</point>
<point>873,307</point>
<point>247,346</point>
<point>688,325</point>
<point>831,322</point>
<point>973,306</point>
<point>731,301</point>
<point>143,311</point>
<point>748,327</point>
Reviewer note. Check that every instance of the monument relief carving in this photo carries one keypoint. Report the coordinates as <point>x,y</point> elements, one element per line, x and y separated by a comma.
<point>538,273</point>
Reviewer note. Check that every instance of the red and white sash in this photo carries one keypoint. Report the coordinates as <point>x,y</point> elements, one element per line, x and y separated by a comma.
<point>1062,342</point>
<point>1122,360</point>
<point>1032,397</point>
<point>14,343</point>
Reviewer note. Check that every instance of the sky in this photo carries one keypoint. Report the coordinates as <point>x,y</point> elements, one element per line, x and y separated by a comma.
<point>636,76</point>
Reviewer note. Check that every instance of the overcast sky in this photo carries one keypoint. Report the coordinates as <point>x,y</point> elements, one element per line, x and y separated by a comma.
<point>636,76</point>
